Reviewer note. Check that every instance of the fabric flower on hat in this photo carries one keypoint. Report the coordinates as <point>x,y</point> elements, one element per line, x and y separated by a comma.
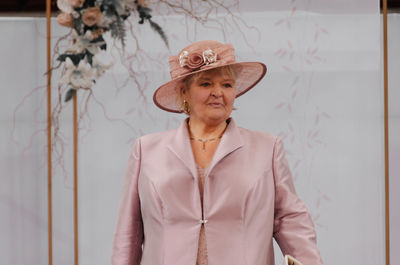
<point>91,16</point>
<point>196,59</point>
<point>209,56</point>
<point>77,76</point>
<point>191,60</point>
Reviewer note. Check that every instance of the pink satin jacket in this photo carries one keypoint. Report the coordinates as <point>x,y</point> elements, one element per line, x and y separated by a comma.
<point>249,199</point>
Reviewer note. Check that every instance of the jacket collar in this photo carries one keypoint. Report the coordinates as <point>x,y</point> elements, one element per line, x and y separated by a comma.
<point>180,145</point>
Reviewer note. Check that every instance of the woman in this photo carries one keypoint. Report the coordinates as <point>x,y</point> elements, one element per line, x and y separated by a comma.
<point>210,192</point>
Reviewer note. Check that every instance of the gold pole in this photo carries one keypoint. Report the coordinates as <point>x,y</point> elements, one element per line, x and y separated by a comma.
<point>385,71</point>
<point>49,164</point>
<point>75,179</point>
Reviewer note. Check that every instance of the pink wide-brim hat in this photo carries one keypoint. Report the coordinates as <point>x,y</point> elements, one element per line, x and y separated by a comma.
<point>202,56</point>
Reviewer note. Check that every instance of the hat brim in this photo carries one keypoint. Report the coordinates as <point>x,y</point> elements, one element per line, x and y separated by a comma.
<point>166,96</point>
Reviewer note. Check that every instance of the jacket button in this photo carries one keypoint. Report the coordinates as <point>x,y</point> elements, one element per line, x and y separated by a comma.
<point>203,221</point>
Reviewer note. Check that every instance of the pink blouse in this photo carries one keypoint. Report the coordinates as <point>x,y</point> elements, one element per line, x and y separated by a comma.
<point>202,250</point>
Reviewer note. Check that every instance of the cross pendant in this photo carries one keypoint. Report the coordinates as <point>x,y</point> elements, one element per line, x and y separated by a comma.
<point>204,144</point>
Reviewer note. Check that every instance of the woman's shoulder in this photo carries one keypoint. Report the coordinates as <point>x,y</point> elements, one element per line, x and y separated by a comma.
<point>259,141</point>
<point>156,137</point>
<point>257,135</point>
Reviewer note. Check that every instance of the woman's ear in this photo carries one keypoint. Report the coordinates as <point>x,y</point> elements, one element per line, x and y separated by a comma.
<point>183,92</point>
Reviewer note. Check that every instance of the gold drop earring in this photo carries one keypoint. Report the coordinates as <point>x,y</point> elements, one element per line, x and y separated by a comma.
<point>186,107</point>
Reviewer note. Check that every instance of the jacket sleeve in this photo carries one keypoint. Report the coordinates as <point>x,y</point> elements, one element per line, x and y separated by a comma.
<point>128,235</point>
<point>293,227</point>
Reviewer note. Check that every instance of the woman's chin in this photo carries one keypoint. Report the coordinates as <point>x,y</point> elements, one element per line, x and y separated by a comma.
<point>218,115</point>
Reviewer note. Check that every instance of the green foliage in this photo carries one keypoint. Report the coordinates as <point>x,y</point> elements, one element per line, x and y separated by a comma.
<point>118,30</point>
<point>160,31</point>
<point>144,13</point>
<point>70,94</point>
<point>75,58</point>
<point>112,8</point>
<point>89,57</point>
<point>78,25</point>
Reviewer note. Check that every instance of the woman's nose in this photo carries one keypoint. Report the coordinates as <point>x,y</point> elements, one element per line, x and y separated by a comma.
<point>216,91</point>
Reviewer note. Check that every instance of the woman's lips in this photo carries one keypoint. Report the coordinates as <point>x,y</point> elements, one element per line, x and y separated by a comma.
<point>215,104</point>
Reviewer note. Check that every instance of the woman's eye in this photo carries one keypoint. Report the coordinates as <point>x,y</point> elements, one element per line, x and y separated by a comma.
<point>228,85</point>
<point>205,84</point>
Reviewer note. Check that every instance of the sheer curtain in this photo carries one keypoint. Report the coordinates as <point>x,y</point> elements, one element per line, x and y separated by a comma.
<point>322,95</point>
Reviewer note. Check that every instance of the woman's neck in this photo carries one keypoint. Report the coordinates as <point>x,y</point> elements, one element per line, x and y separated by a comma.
<point>200,129</point>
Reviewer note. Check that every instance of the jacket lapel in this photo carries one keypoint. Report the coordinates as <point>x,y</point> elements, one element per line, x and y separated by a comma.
<point>231,140</point>
<point>180,146</point>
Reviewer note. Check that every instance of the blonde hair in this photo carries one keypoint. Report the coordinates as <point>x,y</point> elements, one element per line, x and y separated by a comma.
<point>185,84</point>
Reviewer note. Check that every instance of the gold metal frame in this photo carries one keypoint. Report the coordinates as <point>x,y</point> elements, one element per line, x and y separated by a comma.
<point>386,122</point>
<point>49,164</point>
<point>49,157</point>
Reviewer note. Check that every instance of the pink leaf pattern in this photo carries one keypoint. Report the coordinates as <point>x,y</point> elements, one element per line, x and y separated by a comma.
<point>291,127</point>
<point>288,24</point>
<point>323,30</point>
<point>293,11</point>
<point>316,36</point>
<point>325,115</point>
<point>280,105</point>
<point>316,119</point>
<point>278,52</point>
<point>287,68</point>
<point>295,56</point>
<point>314,51</point>
<point>296,79</point>
<point>291,55</point>
<point>279,22</point>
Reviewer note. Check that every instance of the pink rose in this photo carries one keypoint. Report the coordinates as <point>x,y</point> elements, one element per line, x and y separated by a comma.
<point>65,20</point>
<point>91,16</point>
<point>194,60</point>
<point>97,33</point>
<point>76,3</point>
<point>144,3</point>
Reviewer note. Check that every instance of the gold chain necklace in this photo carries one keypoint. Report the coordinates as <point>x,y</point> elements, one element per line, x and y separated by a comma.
<point>204,140</point>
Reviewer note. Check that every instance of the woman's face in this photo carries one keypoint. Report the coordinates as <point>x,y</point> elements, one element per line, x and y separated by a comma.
<point>211,96</point>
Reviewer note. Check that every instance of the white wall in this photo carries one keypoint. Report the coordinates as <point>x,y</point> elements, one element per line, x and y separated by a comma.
<point>322,94</point>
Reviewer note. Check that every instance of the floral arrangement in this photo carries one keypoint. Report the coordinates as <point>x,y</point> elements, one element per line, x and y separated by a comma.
<point>89,20</point>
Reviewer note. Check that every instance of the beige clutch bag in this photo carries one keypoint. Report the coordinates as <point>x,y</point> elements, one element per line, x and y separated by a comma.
<point>289,260</point>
